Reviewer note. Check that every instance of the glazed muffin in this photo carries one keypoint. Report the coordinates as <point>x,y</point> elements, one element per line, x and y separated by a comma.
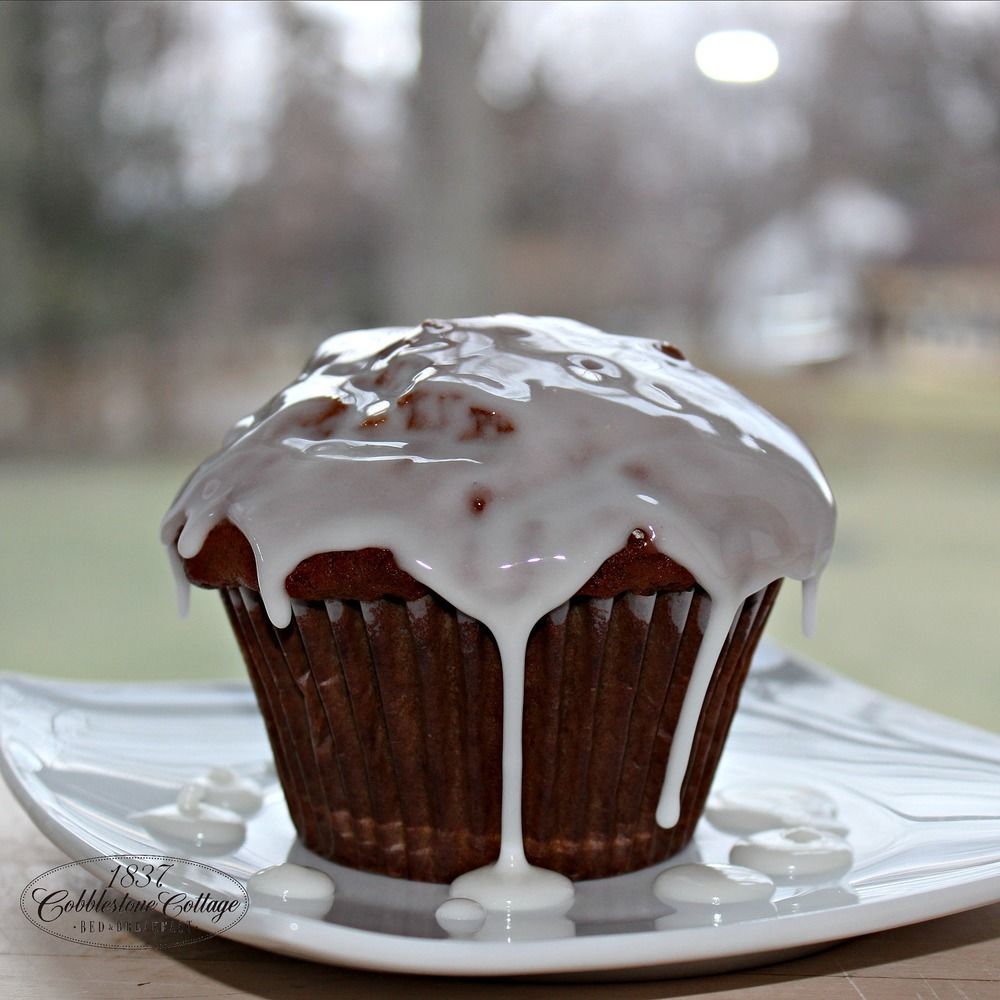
<point>497,583</point>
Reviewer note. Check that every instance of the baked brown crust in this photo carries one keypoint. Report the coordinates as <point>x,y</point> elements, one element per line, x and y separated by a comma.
<point>226,560</point>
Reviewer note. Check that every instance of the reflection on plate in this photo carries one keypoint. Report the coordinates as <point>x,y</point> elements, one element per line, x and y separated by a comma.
<point>916,796</point>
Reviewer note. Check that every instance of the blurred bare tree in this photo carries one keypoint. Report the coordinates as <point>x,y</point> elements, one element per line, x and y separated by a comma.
<point>77,272</point>
<point>444,256</point>
<point>300,247</point>
<point>75,268</point>
<point>191,192</point>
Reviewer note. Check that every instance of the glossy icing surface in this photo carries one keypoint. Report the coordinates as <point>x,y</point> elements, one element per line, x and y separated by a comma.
<point>751,808</point>
<point>712,885</point>
<point>192,821</point>
<point>292,888</point>
<point>795,852</point>
<point>460,916</point>
<point>502,460</point>
<point>223,787</point>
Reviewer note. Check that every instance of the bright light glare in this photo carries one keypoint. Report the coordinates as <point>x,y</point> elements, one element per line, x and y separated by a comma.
<point>737,56</point>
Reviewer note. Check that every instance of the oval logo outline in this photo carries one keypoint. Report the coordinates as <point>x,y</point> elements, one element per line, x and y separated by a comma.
<point>198,932</point>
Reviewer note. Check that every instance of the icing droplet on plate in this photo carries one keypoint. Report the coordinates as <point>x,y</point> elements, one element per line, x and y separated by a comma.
<point>222,786</point>
<point>799,852</point>
<point>193,822</point>
<point>460,917</point>
<point>712,885</point>
<point>751,808</point>
<point>292,888</point>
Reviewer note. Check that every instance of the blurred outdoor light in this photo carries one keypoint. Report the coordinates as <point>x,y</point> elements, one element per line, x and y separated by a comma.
<point>736,56</point>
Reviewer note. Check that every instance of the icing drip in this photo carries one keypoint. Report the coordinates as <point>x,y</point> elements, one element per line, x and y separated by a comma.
<point>720,621</point>
<point>511,881</point>
<point>810,589</point>
<point>502,460</point>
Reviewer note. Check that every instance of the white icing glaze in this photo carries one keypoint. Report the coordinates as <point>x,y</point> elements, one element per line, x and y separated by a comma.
<point>460,916</point>
<point>712,885</point>
<point>748,809</point>
<point>797,852</point>
<point>224,787</point>
<point>572,438</point>
<point>292,888</point>
<point>512,883</point>
<point>720,621</point>
<point>810,592</point>
<point>192,821</point>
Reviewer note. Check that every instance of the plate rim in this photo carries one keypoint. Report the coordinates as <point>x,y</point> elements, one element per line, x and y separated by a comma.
<point>637,951</point>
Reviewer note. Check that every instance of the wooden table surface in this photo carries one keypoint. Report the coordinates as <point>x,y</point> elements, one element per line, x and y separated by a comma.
<point>953,957</point>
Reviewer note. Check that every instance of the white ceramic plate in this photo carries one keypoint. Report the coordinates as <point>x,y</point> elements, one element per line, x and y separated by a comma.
<point>919,794</point>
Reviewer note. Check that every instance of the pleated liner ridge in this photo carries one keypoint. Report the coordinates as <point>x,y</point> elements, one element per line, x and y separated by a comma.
<point>385,721</point>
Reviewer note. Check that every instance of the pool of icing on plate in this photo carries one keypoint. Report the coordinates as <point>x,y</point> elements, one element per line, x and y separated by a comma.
<point>802,858</point>
<point>502,460</point>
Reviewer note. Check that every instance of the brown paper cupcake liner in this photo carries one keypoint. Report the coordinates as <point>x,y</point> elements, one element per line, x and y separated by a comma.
<point>385,720</point>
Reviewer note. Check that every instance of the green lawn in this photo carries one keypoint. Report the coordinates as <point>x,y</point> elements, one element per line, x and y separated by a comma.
<point>87,589</point>
<point>909,604</point>
<point>910,601</point>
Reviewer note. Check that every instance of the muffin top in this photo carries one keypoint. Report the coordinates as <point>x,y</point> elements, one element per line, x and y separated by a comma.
<point>500,461</point>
